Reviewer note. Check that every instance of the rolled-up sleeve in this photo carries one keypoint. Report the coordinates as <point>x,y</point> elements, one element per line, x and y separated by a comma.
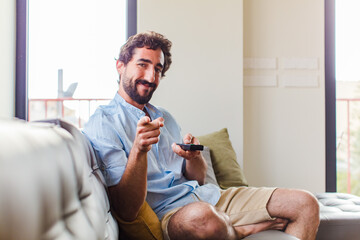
<point>108,140</point>
<point>112,160</point>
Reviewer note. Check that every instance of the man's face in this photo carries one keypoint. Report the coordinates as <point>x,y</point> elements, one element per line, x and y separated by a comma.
<point>140,76</point>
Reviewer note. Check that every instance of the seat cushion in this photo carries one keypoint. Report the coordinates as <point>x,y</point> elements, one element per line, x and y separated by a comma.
<point>339,216</point>
<point>271,235</point>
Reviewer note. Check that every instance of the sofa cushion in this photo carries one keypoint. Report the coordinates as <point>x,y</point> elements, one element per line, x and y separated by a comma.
<point>145,226</point>
<point>271,235</point>
<point>227,170</point>
<point>339,216</point>
<point>210,174</point>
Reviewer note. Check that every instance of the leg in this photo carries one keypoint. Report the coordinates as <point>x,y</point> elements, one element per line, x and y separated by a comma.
<point>246,230</point>
<point>300,208</point>
<point>200,220</point>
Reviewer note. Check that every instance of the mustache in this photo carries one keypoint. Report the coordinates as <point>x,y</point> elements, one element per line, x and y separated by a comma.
<point>144,82</point>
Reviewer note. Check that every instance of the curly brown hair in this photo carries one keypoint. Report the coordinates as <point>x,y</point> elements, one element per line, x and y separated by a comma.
<point>151,40</point>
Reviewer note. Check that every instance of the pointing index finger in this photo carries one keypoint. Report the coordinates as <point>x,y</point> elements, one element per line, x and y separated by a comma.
<point>160,121</point>
<point>144,120</point>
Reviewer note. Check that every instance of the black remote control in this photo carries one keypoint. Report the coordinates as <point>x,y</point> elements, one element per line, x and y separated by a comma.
<point>191,147</point>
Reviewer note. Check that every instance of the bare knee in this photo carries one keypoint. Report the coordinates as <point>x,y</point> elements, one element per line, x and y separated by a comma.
<point>199,221</point>
<point>294,204</point>
<point>312,206</point>
<point>309,205</point>
<point>306,206</point>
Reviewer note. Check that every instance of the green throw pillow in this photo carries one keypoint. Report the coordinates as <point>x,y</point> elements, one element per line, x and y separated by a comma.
<point>223,157</point>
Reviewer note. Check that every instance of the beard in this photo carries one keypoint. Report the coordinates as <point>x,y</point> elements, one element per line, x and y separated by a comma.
<point>130,88</point>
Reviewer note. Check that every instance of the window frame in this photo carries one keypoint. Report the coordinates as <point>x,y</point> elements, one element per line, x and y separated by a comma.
<point>21,78</point>
<point>330,96</point>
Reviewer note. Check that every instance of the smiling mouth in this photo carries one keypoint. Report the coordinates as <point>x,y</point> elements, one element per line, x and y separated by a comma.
<point>146,83</point>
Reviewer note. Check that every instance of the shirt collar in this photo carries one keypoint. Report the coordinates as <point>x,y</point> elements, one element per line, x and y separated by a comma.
<point>151,109</point>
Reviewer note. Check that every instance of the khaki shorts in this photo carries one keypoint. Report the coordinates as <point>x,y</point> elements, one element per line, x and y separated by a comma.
<point>244,205</point>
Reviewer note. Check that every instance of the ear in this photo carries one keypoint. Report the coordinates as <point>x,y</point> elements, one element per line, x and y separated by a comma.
<point>120,67</point>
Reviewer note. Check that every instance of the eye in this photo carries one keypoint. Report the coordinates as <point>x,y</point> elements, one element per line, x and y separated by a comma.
<point>158,70</point>
<point>141,64</point>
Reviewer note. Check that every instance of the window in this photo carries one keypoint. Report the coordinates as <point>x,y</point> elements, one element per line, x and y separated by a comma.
<point>66,51</point>
<point>347,96</point>
<point>342,101</point>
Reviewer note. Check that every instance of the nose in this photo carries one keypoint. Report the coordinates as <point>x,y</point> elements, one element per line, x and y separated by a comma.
<point>150,75</point>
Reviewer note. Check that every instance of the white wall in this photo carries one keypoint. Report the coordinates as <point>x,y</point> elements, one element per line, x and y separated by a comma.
<point>7,58</point>
<point>284,127</point>
<point>203,88</point>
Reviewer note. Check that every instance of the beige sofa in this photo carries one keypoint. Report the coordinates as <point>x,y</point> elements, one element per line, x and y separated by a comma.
<point>51,186</point>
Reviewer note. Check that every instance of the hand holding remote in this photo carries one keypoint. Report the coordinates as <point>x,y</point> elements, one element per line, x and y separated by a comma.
<point>191,147</point>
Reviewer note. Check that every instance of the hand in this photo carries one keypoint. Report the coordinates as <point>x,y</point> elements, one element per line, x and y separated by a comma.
<point>189,155</point>
<point>195,163</point>
<point>147,133</point>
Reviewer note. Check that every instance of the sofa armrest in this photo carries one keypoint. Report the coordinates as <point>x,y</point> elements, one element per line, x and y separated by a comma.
<point>47,188</point>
